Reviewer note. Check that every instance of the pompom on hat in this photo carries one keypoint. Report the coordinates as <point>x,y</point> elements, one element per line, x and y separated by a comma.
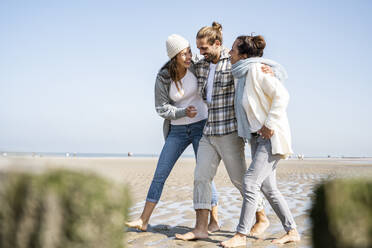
<point>175,44</point>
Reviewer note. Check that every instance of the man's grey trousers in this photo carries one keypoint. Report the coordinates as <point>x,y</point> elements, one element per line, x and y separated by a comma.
<point>212,149</point>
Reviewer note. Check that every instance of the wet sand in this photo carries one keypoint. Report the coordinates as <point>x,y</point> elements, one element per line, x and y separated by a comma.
<point>175,214</point>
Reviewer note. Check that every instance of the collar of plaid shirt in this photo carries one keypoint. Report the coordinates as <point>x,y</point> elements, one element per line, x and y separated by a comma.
<point>221,113</point>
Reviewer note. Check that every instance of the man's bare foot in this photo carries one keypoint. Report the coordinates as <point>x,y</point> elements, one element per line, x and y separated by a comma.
<point>194,234</point>
<point>237,240</point>
<point>261,224</point>
<point>137,224</point>
<point>291,236</point>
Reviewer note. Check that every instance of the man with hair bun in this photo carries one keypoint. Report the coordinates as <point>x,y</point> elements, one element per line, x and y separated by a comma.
<point>220,139</point>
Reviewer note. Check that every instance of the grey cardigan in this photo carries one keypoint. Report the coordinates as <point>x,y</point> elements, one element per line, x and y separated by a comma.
<point>163,104</point>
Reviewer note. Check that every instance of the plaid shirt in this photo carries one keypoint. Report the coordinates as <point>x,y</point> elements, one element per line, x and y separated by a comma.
<point>221,113</point>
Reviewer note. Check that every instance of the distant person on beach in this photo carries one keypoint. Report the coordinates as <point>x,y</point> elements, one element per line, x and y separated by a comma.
<point>260,104</point>
<point>220,139</point>
<point>177,100</point>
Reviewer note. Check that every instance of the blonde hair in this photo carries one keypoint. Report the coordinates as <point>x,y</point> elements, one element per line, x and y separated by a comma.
<point>212,33</point>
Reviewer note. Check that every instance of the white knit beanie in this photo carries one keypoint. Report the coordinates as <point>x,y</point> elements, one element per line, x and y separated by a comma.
<point>175,44</point>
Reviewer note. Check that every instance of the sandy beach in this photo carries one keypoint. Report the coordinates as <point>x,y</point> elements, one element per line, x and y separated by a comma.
<point>175,214</point>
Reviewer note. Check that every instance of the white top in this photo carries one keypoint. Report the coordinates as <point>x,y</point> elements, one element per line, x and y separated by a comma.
<point>254,124</point>
<point>188,95</point>
<point>212,70</point>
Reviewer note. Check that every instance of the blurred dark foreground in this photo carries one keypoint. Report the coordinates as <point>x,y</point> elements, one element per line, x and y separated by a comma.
<point>61,209</point>
<point>342,214</point>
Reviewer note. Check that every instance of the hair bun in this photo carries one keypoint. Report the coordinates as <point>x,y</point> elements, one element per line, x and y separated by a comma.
<point>217,26</point>
<point>259,41</point>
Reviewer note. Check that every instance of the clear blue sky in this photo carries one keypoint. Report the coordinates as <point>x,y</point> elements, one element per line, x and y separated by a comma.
<point>78,76</point>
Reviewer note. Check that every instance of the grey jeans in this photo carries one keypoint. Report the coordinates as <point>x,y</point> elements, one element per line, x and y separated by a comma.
<point>229,148</point>
<point>261,174</point>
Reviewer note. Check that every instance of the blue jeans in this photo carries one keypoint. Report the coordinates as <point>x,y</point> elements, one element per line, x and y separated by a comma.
<point>179,138</point>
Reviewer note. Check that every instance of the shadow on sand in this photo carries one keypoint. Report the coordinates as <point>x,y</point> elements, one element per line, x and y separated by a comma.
<point>169,232</point>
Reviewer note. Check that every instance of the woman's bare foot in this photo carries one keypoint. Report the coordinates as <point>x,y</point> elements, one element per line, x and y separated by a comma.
<point>194,234</point>
<point>262,223</point>
<point>291,236</point>
<point>213,227</point>
<point>237,240</point>
<point>213,224</point>
<point>142,222</point>
<point>137,224</point>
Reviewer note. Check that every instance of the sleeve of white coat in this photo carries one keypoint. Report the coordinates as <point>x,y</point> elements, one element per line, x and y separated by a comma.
<point>273,88</point>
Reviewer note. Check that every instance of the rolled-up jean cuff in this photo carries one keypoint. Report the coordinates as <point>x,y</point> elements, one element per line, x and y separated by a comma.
<point>288,228</point>
<point>202,206</point>
<point>151,200</point>
<point>242,231</point>
<point>214,200</point>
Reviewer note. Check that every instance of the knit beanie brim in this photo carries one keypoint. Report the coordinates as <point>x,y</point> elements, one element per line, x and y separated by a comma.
<point>175,44</point>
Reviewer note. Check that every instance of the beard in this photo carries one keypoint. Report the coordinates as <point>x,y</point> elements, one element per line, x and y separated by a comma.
<point>210,57</point>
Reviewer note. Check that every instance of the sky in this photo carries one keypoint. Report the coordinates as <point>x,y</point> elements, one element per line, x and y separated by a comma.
<point>78,75</point>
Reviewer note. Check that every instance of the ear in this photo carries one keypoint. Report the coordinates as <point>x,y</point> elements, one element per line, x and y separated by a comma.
<point>217,43</point>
